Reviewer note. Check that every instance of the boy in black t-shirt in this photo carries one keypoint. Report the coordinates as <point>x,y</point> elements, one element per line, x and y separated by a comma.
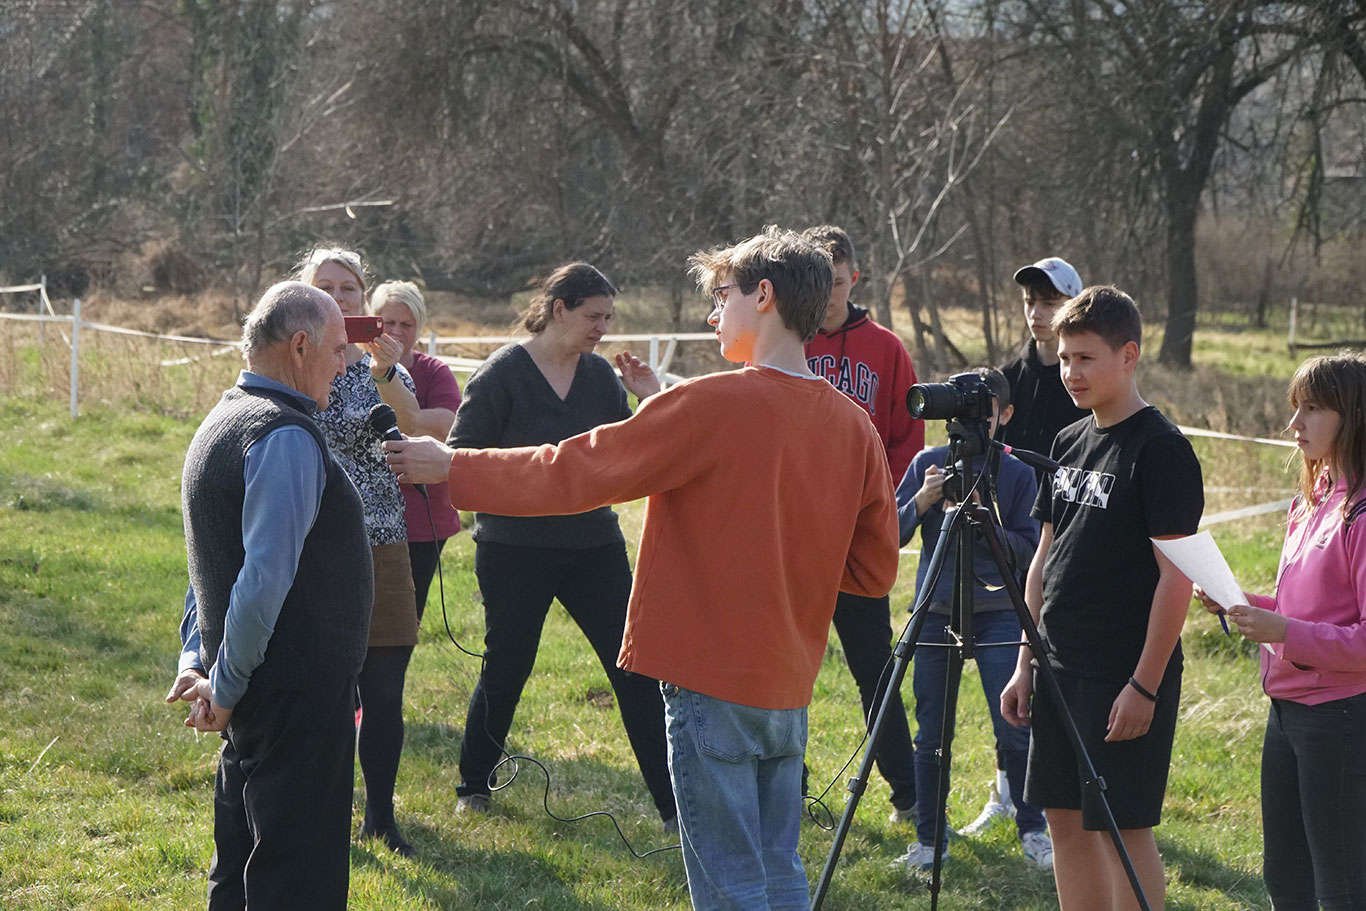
<point>1042,408</point>
<point>1110,611</point>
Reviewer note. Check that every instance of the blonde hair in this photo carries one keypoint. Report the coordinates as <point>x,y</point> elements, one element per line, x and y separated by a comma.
<point>406,293</point>
<point>1336,382</point>
<point>307,268</point>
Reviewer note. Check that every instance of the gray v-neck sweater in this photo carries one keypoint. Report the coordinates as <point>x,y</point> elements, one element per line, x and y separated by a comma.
<point>508,402</point>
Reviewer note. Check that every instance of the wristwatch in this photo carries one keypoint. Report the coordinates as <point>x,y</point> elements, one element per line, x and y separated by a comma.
<point>388,374</point>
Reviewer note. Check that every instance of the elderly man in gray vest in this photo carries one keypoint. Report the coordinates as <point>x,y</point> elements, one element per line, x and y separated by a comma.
<point>278,613</point>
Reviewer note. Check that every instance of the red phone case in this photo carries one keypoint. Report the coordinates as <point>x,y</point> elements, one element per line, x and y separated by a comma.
<point>364,328</point>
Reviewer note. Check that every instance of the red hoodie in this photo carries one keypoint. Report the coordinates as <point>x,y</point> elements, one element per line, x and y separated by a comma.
<point>868,363</point>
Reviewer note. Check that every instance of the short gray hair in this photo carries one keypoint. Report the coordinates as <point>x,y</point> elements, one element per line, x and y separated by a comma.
<point>405,293</point>
<point>283,310</point>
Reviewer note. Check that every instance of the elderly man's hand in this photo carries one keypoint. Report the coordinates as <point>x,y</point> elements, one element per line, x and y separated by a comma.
<point>206,715</point>
<point>421,460</point>
<point>183,687</point>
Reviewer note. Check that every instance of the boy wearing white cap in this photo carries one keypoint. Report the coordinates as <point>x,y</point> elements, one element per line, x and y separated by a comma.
<point>1042,405</point>
<point>1042,408</point>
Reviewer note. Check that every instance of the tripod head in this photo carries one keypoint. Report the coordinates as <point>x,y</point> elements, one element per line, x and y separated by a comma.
<point>967,404</point>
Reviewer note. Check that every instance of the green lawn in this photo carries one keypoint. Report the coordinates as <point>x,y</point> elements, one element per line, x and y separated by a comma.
<point>105,799</point>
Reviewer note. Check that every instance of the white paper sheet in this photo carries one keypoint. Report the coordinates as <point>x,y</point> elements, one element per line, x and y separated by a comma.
<point>1200,559</point>
<point>1203,563</point>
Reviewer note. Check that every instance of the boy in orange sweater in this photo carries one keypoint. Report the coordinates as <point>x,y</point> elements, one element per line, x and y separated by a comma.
<point>749,533</point>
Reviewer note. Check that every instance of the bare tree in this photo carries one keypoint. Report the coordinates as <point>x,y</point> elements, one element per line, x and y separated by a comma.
<point>1168,76</point>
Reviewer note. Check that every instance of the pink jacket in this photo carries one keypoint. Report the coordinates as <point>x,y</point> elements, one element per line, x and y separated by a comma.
<point>1322,594</point>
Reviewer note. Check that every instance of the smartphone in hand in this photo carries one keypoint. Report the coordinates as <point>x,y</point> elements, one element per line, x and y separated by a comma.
<point>363,328</point>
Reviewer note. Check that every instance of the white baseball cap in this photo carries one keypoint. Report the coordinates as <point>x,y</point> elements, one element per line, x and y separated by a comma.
<point>1058,272</point>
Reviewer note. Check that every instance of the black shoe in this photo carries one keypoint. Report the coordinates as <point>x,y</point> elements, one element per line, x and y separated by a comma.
<point>391,838</point>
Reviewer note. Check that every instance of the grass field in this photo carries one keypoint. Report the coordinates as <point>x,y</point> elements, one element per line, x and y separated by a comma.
<point>105,799</point>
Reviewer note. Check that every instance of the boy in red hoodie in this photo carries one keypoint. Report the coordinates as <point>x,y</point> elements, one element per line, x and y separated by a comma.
<point>868,363</point>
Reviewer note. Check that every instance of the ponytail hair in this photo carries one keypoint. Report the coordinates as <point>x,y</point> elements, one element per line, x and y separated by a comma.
<point>572,284</point>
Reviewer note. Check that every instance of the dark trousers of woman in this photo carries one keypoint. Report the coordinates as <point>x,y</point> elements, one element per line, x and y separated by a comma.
<point>380,743</point>
<point>424,555</point>
<point>1314,805</point>
<point>594,585</point>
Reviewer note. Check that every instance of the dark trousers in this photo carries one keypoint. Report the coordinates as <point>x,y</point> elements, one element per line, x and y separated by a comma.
<point>930,677</point>
<point>282,801</point>
<point>864,626</point>
<point>424,555</point>
<point>1314,805</point>
<point>380,741</point>
<point>594,585</point>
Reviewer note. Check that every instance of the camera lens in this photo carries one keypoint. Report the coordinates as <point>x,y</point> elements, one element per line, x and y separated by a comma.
<point>932,401</point>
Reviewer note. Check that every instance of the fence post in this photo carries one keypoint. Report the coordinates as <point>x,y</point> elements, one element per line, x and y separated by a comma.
<point>654,353</point>
<point>75,351</point>
<point>431,343</point>
<point>1294,315</point>
<point>42,296</point>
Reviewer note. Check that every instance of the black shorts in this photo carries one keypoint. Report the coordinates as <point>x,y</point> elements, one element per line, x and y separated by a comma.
<point>1134,771</point>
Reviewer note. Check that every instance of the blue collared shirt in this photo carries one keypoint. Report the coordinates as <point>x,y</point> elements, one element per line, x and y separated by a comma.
<point>285,475</point>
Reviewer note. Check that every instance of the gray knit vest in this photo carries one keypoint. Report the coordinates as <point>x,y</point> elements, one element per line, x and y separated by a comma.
<point>325,620</point>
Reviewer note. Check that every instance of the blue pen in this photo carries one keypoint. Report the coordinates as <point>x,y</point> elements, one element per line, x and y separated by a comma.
<point>1224,623</point>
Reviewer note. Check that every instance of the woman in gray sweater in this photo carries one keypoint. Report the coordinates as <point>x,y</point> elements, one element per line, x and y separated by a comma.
<point>545,389</point>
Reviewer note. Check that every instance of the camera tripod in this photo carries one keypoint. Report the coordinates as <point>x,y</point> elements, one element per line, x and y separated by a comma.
<point>963,525</point>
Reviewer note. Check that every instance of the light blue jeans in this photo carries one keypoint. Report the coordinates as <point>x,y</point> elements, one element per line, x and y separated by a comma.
<point>737,773</point>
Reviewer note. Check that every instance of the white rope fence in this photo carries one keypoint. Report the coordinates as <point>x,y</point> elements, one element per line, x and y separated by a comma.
<point>1246,512</point>
<point>662,346</point>
<point>661,349</point>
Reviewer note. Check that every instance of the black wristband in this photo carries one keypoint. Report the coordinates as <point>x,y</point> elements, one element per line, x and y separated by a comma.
<point>1151,697</point>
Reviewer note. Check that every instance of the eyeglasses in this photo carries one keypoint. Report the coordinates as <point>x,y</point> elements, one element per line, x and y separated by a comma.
<point>718,294</point>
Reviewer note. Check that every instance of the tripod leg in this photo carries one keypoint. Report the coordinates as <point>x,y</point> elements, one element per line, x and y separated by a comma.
<point>953,676</point>
<point>902,652</point>
<point>1092,779</point>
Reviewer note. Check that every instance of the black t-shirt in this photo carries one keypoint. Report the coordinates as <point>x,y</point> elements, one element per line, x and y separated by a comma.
<point>1119,486</point>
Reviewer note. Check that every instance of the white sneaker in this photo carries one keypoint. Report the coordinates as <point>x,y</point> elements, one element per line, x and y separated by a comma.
<point>899,816</point>
<point>994,809</point>
<point>918,857</point>
<point>1038,849</point>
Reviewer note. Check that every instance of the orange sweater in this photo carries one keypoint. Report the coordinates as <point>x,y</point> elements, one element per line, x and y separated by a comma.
<point>767,494</point>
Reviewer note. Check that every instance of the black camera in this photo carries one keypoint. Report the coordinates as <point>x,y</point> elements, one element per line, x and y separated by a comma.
<point>965,397</point>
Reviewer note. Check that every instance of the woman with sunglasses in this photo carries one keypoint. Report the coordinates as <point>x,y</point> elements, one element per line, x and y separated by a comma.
<point>374,375</point>
<point>545,389</point>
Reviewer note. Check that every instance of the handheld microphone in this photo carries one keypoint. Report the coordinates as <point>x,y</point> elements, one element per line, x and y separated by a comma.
<point>1032,459</point>
<point>385,424</point>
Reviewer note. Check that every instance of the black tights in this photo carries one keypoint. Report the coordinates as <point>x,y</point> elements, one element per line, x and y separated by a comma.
<point>381,730</point>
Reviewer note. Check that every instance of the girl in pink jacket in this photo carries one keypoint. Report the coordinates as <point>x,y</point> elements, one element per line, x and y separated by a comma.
<point>1314,752</point>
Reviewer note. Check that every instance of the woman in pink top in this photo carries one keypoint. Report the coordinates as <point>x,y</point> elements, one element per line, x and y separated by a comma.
<point>1314,753</point>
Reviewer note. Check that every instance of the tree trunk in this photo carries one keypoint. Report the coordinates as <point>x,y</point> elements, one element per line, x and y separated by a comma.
<point>1182,297</point>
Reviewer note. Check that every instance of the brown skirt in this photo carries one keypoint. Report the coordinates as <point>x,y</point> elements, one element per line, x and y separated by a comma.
<point>393,620</point>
